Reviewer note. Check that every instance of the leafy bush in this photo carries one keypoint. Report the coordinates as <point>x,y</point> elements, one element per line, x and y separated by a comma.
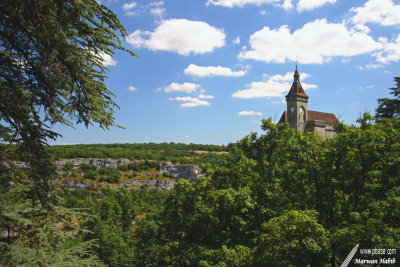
<point>92,175</point>
<point>67,167</point>
<point>123,167</point>
<point>87,167</point>
<point>109,175</point>
<point>168,175</point>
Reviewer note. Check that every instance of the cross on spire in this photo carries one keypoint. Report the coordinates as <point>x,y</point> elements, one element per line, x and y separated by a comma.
<point>296,75</point>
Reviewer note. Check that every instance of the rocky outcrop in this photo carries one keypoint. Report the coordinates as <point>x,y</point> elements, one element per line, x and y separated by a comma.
<point>176,171</point>
<point>189,172</point>
<point>156,184</point>
<point>98,162</point>
<point>160,184</point>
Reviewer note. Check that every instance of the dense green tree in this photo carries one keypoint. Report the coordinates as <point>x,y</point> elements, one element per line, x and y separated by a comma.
<point>122,221</point>
<point>295,238</point>
<point>288,198</point>
<point>390,107</point>
<point>109,175</point>
<point>51,71</point>
<point>87,167</point>
<point>90,174</point>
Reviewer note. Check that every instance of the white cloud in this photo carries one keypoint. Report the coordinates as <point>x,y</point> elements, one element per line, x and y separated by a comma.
<point>135,9</point>
<point>157,3</point>
<point>249,113</point>
<point>132,88</point>
<point>195,104</point>
<point>315,42</point>
<point>180,87</point>
<point>367,87</point>
<point>128,7</point>
<point>374,66</point>
<point>200,71</point>
<point>240,3</point>
<point>283,101</point>
<point>383,12</point>
<point>307,86</point>
<point>312,4</point>
<point>190,101</point>
<point>287,77</point>
<point>275,86</point>
<point>362,28</point>
<point>158,11</point>
<point>287,4</point>
<point>107,59</point>
<point>181,36</point>
<point>183,98</point>
<point>390,52</point>
<point>263,12</point>
<point>262,89</point>
<point>201,96</point>
<point>237,40</point>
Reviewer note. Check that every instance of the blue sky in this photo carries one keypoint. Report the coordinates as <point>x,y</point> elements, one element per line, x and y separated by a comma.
<point>210,70</point>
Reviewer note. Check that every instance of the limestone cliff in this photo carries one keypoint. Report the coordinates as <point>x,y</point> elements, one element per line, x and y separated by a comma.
<point>145,184</point>
<point>189,171</point>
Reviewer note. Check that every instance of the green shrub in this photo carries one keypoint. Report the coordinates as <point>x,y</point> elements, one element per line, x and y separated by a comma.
<point>123,167</point>
<point>168,175</point>
<point>67,167</point>
<point>109,175</point>
<point>92,175</point>
<point>87,167</point>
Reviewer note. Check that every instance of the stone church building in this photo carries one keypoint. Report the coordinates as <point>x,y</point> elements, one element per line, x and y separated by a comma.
<point>302,119</point>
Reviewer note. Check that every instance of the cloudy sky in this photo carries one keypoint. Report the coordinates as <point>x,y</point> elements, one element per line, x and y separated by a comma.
<point>210,70</point>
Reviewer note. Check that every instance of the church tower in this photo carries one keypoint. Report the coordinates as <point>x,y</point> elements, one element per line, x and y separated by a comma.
<point>296,101</point>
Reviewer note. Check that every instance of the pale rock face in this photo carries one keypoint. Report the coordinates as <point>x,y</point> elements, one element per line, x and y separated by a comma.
<point>159,184</point>
<point>99,163</point>
<point>189,172</point>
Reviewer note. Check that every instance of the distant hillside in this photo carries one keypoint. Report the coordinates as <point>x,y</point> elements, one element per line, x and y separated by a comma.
<point>182,153</point>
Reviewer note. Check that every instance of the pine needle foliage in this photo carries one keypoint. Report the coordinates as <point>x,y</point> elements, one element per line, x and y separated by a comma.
<point>51,71</point>
<point>389,108</point>
<point>37,236</point>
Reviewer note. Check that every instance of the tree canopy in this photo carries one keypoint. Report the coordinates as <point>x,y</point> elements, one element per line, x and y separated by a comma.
<point>51,57</point>
<point>51,71</point>
<point>287,198</point>
<point>51,53</point>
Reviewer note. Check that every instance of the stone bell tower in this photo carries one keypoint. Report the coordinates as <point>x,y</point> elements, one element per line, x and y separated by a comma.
<point>296,101</point>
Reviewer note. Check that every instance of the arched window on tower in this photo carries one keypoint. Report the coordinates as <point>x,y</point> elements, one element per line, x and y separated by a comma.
<point>292,114</point>
<point>302,115</point>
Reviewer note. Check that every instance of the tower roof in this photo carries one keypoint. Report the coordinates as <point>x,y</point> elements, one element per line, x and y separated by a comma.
<point>296,89</point>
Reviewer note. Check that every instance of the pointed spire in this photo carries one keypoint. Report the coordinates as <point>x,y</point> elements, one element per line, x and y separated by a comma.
<point>296,89</point>
<point>296,75</point>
